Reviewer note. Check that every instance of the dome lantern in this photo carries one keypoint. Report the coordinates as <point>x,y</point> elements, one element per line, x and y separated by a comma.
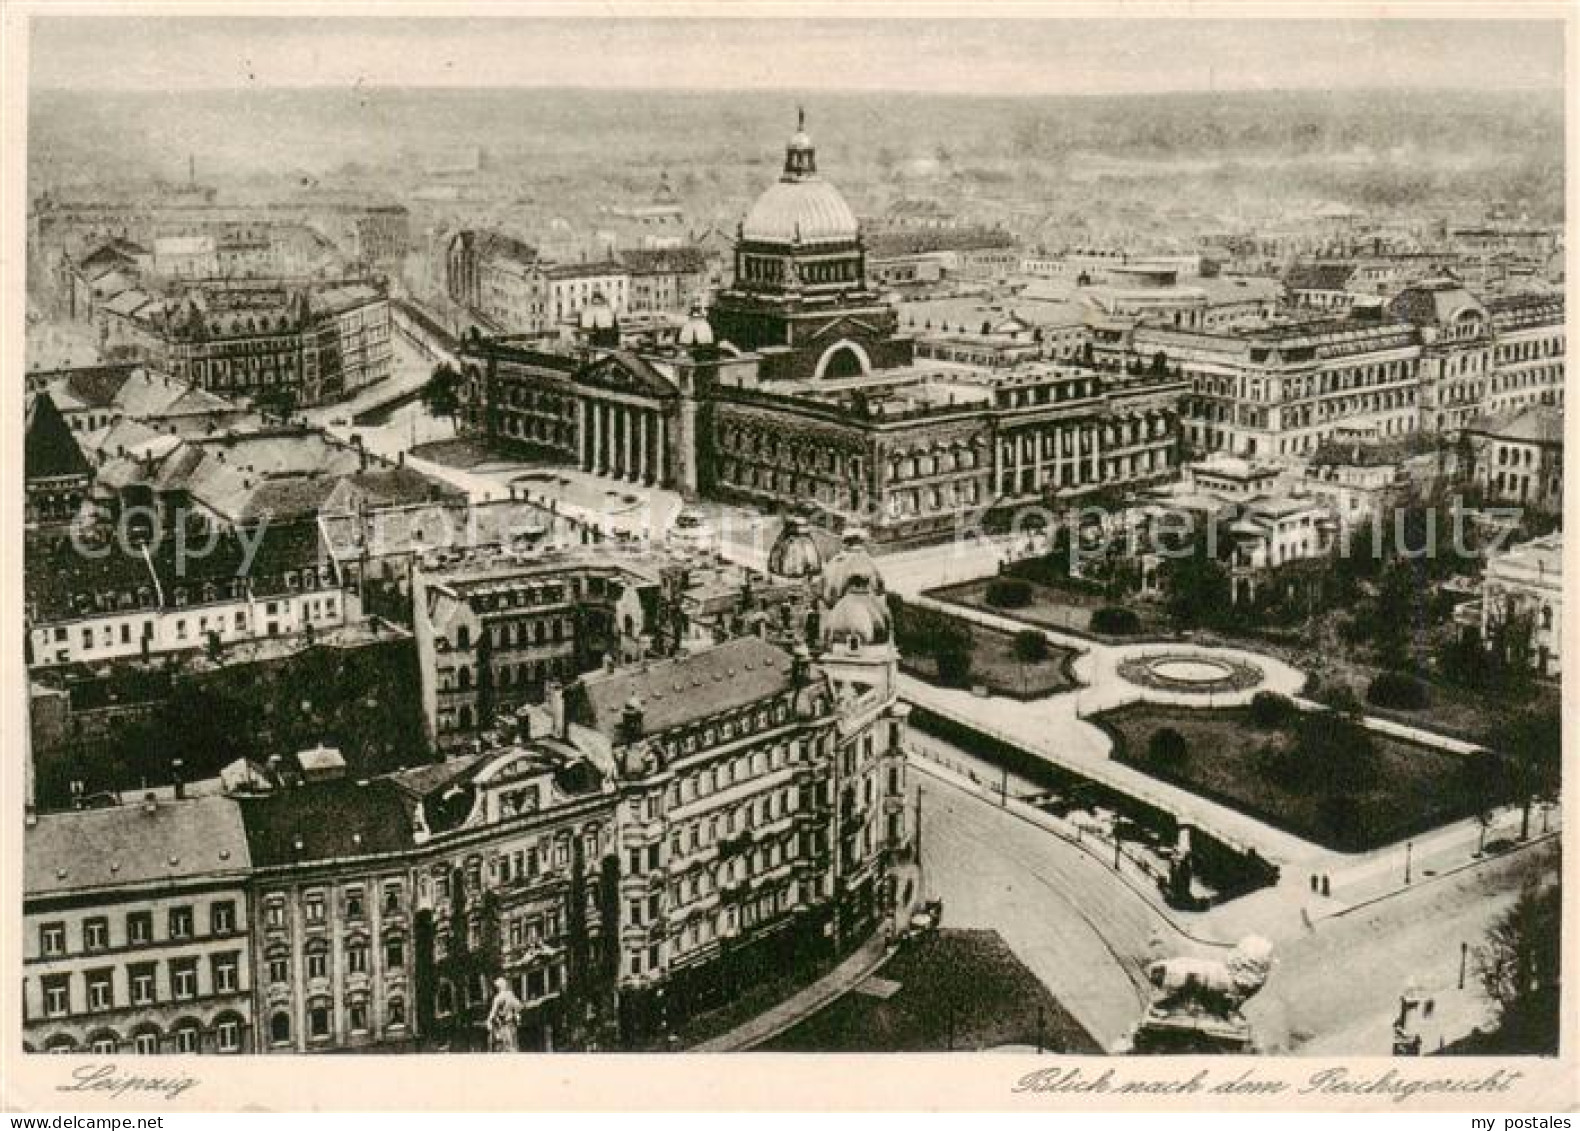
<point>801,207</point>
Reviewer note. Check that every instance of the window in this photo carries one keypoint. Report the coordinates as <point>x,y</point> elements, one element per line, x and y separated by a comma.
<point>274,912</point>
<point>318,1021</point>
<point>140,928</point>
<point>57,995</point>
<point>357,959</point>
<point>52,939</point>
<point>146,1042</point>
<point>391,898</point>
<point>101,990</point>
<point>95,934</point>
<point>227,1035</point>
<point>394,954</point>
<point>397,1012</point>
<point>280,1028</point>
<point>225,968</point>
<point>183,978</point>
<point>222,918</point>
<point>187,1038</point>
<point>354,903</point>
<point>141,980</point>
<point>279,970</point>
<point>358,1015</point>
<point>313,908</point>
<point>317,965</point>
<point>181,922</point>
<point>104,1043</point>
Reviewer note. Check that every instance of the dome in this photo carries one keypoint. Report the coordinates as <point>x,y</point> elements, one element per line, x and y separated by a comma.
<point>850,566</point>
<point>860,616</point>
<point>801,207</point>
<point>696,331</point>
<point>597,314</point>
<point>794,554</point>
<point>805,211</point>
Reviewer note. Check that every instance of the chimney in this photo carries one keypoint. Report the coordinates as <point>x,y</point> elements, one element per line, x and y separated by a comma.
<point>800,665</point>
<point>554,700</point>
<point>177,778</point>
<point>76,794</point>
<point>149,802</point>
<point>631,721</point>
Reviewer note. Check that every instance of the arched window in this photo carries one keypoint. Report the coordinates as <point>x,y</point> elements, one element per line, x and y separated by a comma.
<point>188,1035</point>
<point>145,1040</point>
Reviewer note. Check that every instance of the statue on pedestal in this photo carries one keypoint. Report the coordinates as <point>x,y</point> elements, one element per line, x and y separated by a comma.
<point>1196,1004</point>
<point>504,1019</point>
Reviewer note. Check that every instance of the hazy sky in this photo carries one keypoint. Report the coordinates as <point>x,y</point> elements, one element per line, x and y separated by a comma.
<point>982,56</point>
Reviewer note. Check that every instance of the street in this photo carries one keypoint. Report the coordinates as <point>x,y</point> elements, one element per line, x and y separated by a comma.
<point>1088,936</point>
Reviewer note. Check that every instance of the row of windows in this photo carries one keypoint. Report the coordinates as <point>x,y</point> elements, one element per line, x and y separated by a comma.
<point>353,904</point>
<point>185,1036</point>
<point>139,929</point>
<point>141,985</point>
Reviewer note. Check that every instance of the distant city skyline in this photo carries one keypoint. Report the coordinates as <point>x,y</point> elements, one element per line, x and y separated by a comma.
<point>964,56</point>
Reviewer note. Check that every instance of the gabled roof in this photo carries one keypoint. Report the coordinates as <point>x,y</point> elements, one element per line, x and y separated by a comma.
<point>676,692</point>
<point>95,386</point>
<point>1538,424</point>
<point>665,261</point>
<point>134,844</point>
<point>50,451</point>
<point>1319,276</point>
<point>624,369</point>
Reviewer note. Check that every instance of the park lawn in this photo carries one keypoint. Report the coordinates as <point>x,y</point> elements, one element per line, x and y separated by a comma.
<point>995,666</point>
<point>969,982</point>
<point>1415,787</point>
<point>1053,608</point>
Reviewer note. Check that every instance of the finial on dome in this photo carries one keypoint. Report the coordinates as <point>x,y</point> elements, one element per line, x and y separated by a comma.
<point>800,157</point>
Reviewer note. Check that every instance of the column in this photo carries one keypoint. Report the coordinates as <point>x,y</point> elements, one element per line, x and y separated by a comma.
<point>595,463</point>
<point>581,433</point>
<point>644,474</point>
<point>628,457</point>
<point>661,464</point>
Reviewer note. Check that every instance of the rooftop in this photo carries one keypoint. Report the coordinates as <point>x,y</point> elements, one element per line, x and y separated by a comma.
<point>322,821</point>
<point>674,693</point>
<point>134,844</point>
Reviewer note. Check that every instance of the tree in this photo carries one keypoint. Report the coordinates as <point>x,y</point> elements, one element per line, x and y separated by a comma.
<point>1008,593</point>
<point>1336,752</point>
<point>1167,749</point>
<point>441,396</point>
<point>1197,588</point>
<point>954,666</point>
<point>1031,646</point>
<point>1270,710</point>
<point>1519,968</point>
<point>1533,742</point>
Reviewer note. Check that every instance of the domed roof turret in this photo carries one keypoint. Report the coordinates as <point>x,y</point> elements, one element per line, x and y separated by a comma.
<point>597,314</point>
<point>697,330</point>
<point>853,563</point>
<point>802,207</point>
<point>794,554</point>
<point>860,617</point>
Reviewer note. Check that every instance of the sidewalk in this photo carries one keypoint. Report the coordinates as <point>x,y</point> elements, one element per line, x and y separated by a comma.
<point>861,964</point>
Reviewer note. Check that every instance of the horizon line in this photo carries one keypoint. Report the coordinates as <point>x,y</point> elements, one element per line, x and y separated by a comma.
<point>801,90</point>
